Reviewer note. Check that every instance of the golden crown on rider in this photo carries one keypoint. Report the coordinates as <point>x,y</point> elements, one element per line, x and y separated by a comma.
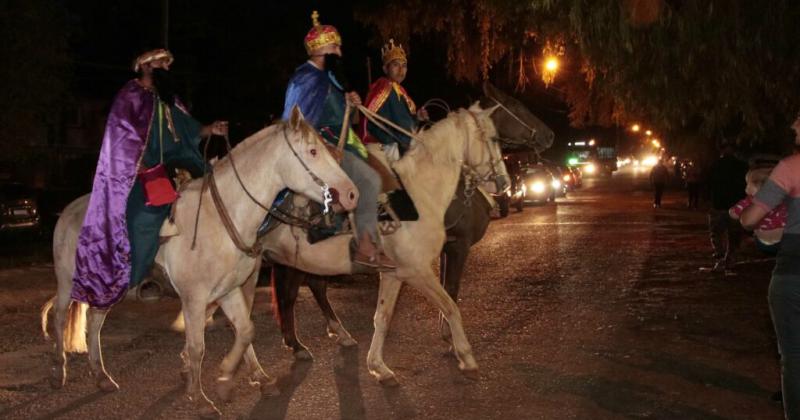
<point>391,51</point>
<point>320,35</point>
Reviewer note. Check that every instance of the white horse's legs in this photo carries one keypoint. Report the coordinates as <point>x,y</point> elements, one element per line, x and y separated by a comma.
<point>62,302</point>
<point>103,379</point>
<point>236,310</point>
<point>387,298</point>
<point>429,286</point>
<point>194,311</point>
<point>257,374</point>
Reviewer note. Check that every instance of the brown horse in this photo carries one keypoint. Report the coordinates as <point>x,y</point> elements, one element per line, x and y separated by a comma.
<point>466,220</point>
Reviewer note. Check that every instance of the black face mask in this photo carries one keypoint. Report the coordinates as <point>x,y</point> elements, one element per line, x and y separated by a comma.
<point>333,63</point>
<point>165,85</point>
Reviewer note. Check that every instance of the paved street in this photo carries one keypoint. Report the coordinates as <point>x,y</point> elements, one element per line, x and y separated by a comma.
<point>592,308</point>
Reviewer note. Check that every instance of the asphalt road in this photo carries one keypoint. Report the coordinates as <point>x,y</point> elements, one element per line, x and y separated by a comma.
<point>592,308</point>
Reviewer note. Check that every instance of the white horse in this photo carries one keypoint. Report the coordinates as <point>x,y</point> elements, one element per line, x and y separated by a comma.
<point>430,173</point>
<point>288,154</point>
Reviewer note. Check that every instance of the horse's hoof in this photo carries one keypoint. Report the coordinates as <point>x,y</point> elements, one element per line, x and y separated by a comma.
<point>303,355</point>
<point>471,374</point>
<point>347,342</point>
<point>106,384</point>
<point>225,389</point>
<point>390,382</point>
<point>270,389</point>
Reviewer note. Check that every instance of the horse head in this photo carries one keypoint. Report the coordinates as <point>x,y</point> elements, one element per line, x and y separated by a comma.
<point>483,157</point>
<point>516,124</point>
<point>310,168</point>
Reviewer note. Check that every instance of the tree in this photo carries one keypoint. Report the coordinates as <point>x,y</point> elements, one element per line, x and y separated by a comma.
<point>710,66</point>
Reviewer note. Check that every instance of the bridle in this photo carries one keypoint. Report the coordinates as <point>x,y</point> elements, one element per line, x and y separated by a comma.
<point>209,182</point>
<point>473,172</point>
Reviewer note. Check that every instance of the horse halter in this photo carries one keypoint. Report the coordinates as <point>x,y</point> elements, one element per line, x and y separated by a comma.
<point>326,191</point>
<point>472,171</point>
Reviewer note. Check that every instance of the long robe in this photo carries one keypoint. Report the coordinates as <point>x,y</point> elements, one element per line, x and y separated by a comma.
<point>391,101</point>
<point>103,257</point>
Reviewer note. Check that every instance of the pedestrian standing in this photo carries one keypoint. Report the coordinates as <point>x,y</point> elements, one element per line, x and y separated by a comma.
<point>659,176</point>
<point>693,184</point>
<point>782,187</point>
<point>726,184</point>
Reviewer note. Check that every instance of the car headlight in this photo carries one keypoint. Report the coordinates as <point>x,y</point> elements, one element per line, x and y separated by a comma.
<point>537,187</point>
<point>566,178</point>
<point>556,184</point>
<point>590,168</point>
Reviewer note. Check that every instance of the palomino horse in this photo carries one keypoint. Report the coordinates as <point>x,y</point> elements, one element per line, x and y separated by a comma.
<point>430,172</point>
<point>466,221</point>
<point>216,270</point>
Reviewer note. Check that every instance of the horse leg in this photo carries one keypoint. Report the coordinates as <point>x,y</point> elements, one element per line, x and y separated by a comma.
<point>103,380</point>
<point>257,375</point>
<point>194,311</point>
<point>387,299</point>
<point>236,309</point>
<point>319,287</point>
<point>428,285</point>
<point>62,303</point>
<point>180,325</point>
<point>455,254</point>
<point>285,285</point>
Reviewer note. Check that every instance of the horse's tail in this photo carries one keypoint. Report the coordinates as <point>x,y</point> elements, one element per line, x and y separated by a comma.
<point>276,309</point>
<point>45,310</point>
<point>75,328</point>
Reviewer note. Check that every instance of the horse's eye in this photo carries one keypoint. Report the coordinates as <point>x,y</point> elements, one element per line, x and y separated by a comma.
<point>313,152</point>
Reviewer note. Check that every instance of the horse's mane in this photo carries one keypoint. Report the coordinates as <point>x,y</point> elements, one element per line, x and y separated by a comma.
<point>266,134</point>
<point>438,143</point>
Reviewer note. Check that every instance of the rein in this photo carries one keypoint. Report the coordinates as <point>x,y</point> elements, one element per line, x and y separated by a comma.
<point>209,181</point>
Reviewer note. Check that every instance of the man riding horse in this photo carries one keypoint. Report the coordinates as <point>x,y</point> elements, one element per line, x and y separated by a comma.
<point>389,99</point>
<point>146,129</point>
<point>322,99</point>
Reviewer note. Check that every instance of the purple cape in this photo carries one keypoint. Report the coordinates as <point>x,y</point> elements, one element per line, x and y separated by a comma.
<point>102,267</point>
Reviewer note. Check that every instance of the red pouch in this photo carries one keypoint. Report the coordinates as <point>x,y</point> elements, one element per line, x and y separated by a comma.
<point>158,189</point>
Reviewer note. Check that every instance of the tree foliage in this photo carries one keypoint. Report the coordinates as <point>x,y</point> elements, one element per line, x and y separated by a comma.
<point>712,65</point>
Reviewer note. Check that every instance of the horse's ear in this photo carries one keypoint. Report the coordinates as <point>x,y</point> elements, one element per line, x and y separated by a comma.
<point>296,118</point>
<point>491,109</point>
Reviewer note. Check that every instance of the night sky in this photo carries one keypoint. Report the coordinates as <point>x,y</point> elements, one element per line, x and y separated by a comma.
<point>234,59</point>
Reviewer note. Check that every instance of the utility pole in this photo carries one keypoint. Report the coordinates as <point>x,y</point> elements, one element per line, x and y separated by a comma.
<point>165,23</point>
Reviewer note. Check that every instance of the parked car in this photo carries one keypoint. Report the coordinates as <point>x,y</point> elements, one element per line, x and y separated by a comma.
<point>538,185</point>
<point>19,210</point>
<point>558,171</point>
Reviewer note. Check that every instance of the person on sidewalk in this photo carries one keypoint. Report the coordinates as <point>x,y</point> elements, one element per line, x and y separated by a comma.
<point>659,176</point>
<point>726,184</point>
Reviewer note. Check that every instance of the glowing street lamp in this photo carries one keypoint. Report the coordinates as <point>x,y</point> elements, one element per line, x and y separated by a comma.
<point>649,133</point>
<point>656,143</point>
<point>550,69</point>
<point>635,128</point>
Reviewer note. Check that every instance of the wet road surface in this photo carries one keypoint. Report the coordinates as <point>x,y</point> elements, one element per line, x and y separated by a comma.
<point>592,308</point>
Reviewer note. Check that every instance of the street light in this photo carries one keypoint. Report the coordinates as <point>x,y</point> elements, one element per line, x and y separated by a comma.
<point>635,128</point>
<point>656,143</point>
<point>648,132</point>
<point>550,69</point>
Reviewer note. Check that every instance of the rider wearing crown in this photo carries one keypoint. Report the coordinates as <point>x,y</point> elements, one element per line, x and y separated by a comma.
<point>389,99</point>
<point>322,98</point>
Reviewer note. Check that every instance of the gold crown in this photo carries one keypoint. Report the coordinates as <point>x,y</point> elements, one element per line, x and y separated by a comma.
<point>391,52</point>
<point>320,35</point>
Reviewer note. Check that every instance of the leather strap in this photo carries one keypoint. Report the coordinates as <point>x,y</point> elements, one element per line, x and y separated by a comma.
<point>252,251</point>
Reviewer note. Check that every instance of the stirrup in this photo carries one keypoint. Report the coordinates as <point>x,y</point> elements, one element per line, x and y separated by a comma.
<point>154,298</point>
